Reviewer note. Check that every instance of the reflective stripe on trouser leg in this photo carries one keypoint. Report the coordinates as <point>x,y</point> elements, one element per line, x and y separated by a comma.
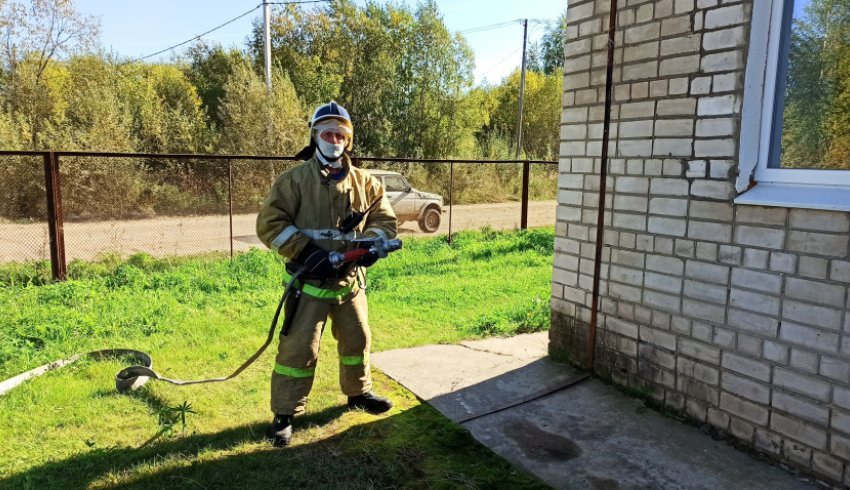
<point>297,354</point>
<point>350,328</point>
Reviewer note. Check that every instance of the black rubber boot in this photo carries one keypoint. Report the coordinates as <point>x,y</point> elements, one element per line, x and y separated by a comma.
<point>280,432</point>
<point>370,402</point>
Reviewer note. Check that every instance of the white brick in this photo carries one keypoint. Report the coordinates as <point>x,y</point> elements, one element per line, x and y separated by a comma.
<point>724,147</point>
<point>809,219</point>
<point>676,107</point>
<point>725,39</point>
<point>809,337</point>
<point>751,301</point>
<point>705,292</point>
<point>706,230</point>
<point>682,44</point>
<point>715,127</point>
<point>663,282</point>
<point>793,428</point>
<point>801,408</point>
<point>813,315</point>
<point>636,129</point>
<point>660,300</point>
<point>722,61</point>
<point>761,281</point>
<point>759,237</point>
<point>667,226</point>
<point>663,263</point>
<point>818,243</point>
<point>744,409</point>
<point>799,383</point>
<point>642,33</point>
<point>753,322</point>
<point>813,267</point>
<point>707,271</point>
<point>674,127</point>
<point>669,187</point>
<point>632,185</point>
<point>640,52</point>
<point>699,350</point>
<point>669,207</point>
<point>815,292</point>
<point>714,189</point>
<point>658,337</point>
<point>672,147</point>
<point>751,390</point>
<point>726,16</point>
<point>719,105</point>
<point>639,71</point>
<point>840,271</point>
<point>679,66</point>
<point>783,262</point>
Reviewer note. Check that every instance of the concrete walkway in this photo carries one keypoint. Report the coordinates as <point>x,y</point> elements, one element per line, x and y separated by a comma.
<point>588,435</point>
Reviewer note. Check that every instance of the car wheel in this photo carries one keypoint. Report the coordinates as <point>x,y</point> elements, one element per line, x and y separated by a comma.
<point>430,220</point>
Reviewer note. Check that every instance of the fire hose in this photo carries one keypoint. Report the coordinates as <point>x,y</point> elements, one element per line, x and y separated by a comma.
<point>133,377</point>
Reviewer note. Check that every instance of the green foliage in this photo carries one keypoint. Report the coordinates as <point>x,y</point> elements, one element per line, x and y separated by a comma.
<point>405,78</point>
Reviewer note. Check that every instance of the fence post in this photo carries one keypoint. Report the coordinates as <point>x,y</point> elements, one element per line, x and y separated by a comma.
<point>230,202</point>
<point>523,220</point>
<point>451,196</point>
<point>55,220</point>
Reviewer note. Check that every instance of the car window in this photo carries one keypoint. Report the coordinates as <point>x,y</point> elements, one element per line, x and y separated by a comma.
<point>395,183</point>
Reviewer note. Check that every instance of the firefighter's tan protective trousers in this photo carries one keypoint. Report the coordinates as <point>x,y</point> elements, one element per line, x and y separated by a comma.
<point>298,351</point>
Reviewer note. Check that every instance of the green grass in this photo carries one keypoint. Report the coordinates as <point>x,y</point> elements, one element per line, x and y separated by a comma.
<point>200,317</point>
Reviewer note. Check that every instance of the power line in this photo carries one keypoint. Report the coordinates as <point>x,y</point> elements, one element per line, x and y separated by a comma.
<point>488,27</point>
<point>193,38</point>
<point>219,27</point>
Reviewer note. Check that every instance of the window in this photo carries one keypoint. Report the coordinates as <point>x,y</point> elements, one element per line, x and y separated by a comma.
<point>395,183</point>
<point>795,133</point>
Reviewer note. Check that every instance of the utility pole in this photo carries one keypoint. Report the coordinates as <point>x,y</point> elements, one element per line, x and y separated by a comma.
<point>521,89</point>
<point>267,43</point>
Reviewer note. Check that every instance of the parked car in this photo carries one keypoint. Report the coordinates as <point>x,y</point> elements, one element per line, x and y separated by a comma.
<point>411,204</point>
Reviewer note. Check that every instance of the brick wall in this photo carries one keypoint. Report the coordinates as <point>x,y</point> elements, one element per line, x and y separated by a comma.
<point>737,315</point>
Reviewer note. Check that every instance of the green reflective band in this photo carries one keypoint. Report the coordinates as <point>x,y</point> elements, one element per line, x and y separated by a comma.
<point>319,292</point>
<point>352,360</point>
<point>294,372</point>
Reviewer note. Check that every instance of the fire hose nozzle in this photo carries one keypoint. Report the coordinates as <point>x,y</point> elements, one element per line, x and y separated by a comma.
<point>381,248</point>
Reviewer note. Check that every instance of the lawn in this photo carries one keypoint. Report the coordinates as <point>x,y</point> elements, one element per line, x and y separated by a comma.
<point>200,317</point>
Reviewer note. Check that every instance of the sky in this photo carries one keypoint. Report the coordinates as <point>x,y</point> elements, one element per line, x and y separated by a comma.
<point>138,28</point>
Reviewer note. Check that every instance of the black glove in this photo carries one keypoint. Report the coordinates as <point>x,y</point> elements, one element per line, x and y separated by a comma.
<point>369,259</point>
<point>316,263</point>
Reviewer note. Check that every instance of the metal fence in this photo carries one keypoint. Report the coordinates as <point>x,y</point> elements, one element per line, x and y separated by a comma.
<point>61,206</point>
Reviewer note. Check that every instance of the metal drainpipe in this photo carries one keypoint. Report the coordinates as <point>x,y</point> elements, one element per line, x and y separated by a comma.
<point>603,180</point>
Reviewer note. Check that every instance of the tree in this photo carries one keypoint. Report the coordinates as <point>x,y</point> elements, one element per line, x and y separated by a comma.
<point>553,43</point>
<point>35,36</point>
<point>816,118</point>
<point>209,69</point>
<point>256,122</point>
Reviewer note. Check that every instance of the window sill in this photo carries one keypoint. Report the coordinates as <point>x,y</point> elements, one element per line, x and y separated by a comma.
<point>826,197</point>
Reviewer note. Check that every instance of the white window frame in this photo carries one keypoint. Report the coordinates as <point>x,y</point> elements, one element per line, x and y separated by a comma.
<point>788,187</point>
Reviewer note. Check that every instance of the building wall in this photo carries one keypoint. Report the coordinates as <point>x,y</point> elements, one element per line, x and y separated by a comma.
<point>736,314</point>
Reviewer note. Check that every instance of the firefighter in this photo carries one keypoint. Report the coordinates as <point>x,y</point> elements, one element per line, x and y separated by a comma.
<point>300,219</point>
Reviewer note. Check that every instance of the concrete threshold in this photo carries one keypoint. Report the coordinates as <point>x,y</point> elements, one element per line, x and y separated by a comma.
<point>574,433</point>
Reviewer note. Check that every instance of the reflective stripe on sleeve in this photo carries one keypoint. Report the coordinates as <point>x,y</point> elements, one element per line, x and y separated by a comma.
<point>283,236</point>
<point>328,234</point>
<point>352,360</point>
<point>294,372</point>
<point>381,233</point>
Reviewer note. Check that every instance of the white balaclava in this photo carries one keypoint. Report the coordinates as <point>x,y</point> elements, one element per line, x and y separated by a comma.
<point>331,153</point>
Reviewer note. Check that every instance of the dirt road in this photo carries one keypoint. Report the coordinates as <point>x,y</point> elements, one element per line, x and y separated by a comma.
<point>198,234</point>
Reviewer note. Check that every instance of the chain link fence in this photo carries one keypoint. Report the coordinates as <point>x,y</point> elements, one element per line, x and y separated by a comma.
<point>109,203</point>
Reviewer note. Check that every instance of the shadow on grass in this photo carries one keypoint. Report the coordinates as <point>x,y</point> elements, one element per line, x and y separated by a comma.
<point>417,448</point>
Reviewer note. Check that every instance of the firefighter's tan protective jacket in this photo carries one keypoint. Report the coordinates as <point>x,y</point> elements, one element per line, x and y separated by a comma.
<point>305,204</point>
